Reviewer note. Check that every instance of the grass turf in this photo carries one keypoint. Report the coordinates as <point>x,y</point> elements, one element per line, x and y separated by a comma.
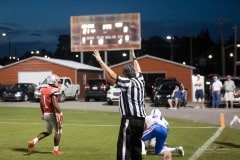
<point>90,135</point>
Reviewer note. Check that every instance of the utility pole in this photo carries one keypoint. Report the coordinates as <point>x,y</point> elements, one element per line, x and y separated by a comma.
<point>235,27</point>
<point>191,50</point>
<point>222,49</point>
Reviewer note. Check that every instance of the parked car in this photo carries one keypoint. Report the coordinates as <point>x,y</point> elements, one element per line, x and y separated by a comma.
<point>164,92</point>
<point>113,94</point>
<point>208,95</point>
<point>96,89</point>
<point>68,90</point>
<point>3,87</point>
<point>157,82</point>
<point>20,92</point>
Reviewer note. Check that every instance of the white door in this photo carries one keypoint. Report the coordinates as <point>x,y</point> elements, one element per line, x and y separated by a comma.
<point>33,76</point>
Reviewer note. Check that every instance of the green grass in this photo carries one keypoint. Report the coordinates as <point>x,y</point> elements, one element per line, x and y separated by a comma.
<point>90,135</point>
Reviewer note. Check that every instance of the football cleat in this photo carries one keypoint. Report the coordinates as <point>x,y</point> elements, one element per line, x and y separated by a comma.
<point>30,146</point>
<point>180,150</point>
<point>57,152</point>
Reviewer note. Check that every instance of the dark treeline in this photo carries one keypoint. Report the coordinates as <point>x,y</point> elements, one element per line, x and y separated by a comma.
<point>191,50</point>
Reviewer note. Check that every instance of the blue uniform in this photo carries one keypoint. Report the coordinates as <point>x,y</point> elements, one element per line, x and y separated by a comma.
<point>156,127</point>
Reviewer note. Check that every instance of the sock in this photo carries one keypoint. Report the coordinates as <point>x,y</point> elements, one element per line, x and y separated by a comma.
<point>168,149</point>
<point>55,148</point>
<point>35,140</point>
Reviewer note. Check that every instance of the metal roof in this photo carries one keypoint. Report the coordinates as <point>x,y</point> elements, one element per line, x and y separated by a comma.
<point>156,58</point>
<point>62,62</point>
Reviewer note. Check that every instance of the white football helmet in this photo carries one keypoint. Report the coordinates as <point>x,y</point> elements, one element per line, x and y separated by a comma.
<point>53,80</point>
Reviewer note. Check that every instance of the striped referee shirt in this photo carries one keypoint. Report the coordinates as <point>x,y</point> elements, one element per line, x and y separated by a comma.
<point>131,102</point>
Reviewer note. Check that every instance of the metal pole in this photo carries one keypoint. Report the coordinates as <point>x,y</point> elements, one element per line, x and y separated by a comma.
<point>172,47</point>
<point>9,46</point>
<point>106,62</point>
<point>82,57</point>
<point>235,50</point>
<point>222,50</point>
<point>171,38</point>
<point>191,50</point>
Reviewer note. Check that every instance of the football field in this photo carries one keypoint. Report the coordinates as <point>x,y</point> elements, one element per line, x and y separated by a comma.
<point>92,135</point>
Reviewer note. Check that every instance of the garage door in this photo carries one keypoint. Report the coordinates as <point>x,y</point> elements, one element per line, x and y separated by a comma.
<point>33,77</point>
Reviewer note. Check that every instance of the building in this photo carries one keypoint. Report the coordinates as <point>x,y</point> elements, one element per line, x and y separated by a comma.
<point>35,69</point>
<point>153,67</point>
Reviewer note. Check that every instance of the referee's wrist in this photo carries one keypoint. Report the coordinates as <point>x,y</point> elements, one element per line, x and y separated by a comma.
<point>100,62</point>
<point>134,59</point>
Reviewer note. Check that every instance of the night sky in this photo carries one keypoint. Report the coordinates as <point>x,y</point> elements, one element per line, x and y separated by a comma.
<point>34,24</point>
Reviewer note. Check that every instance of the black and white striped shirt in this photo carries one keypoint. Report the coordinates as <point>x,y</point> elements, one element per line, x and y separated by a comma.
<point>131,102</point>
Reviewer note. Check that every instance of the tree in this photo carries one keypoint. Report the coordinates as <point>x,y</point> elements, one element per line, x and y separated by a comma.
<point>63,48</point>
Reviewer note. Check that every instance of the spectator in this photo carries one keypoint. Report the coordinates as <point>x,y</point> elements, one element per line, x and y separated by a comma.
<point>199,92</point>
<point>229,88</point>
<point>216,91</point>
<point>178,96</point>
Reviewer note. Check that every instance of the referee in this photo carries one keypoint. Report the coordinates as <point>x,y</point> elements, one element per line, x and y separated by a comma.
<point>131,107</point>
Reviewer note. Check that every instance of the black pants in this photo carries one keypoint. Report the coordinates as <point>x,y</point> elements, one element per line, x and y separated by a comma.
<point>129,145</point>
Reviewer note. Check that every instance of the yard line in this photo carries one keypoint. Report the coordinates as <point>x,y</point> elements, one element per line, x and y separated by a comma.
<point>65,124</point>
<point>206,144</point>
<point>195,127</point>
<point>100,125</point>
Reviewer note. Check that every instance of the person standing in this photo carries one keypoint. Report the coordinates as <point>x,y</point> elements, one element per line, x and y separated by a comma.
<point>216,91</point>
<point>131,107</point>
<point>51,114</point>
<point>199,92</point>
<point>229,88</point>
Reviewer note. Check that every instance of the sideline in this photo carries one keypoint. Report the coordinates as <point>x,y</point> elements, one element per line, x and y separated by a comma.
<point>206,144</point>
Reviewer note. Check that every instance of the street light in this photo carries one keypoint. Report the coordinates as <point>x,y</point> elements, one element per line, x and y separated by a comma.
<point>210,56</point>
<point>35,52</point>
<point>234,55</point>
<point>171,38</point>
<point>9,42</point>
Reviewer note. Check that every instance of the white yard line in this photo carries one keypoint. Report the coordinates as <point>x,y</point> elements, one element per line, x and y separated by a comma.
<point>100,125</point>
<point>65,124</point>
<point>206,144</point>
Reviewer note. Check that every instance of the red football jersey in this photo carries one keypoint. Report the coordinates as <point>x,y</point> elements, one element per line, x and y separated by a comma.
<point>46,98</point>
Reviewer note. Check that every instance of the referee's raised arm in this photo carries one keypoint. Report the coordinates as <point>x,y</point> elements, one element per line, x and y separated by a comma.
<point>135,62</point>
<point>104,66</point>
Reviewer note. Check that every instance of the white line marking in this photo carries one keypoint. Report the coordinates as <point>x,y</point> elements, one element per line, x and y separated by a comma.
<point>100,125</point>
<point>195,127</point>
<point>206,144</point>
<point>65,124</point>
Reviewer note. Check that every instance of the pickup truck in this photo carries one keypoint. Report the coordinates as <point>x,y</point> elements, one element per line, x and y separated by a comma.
<point>68,90</point>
